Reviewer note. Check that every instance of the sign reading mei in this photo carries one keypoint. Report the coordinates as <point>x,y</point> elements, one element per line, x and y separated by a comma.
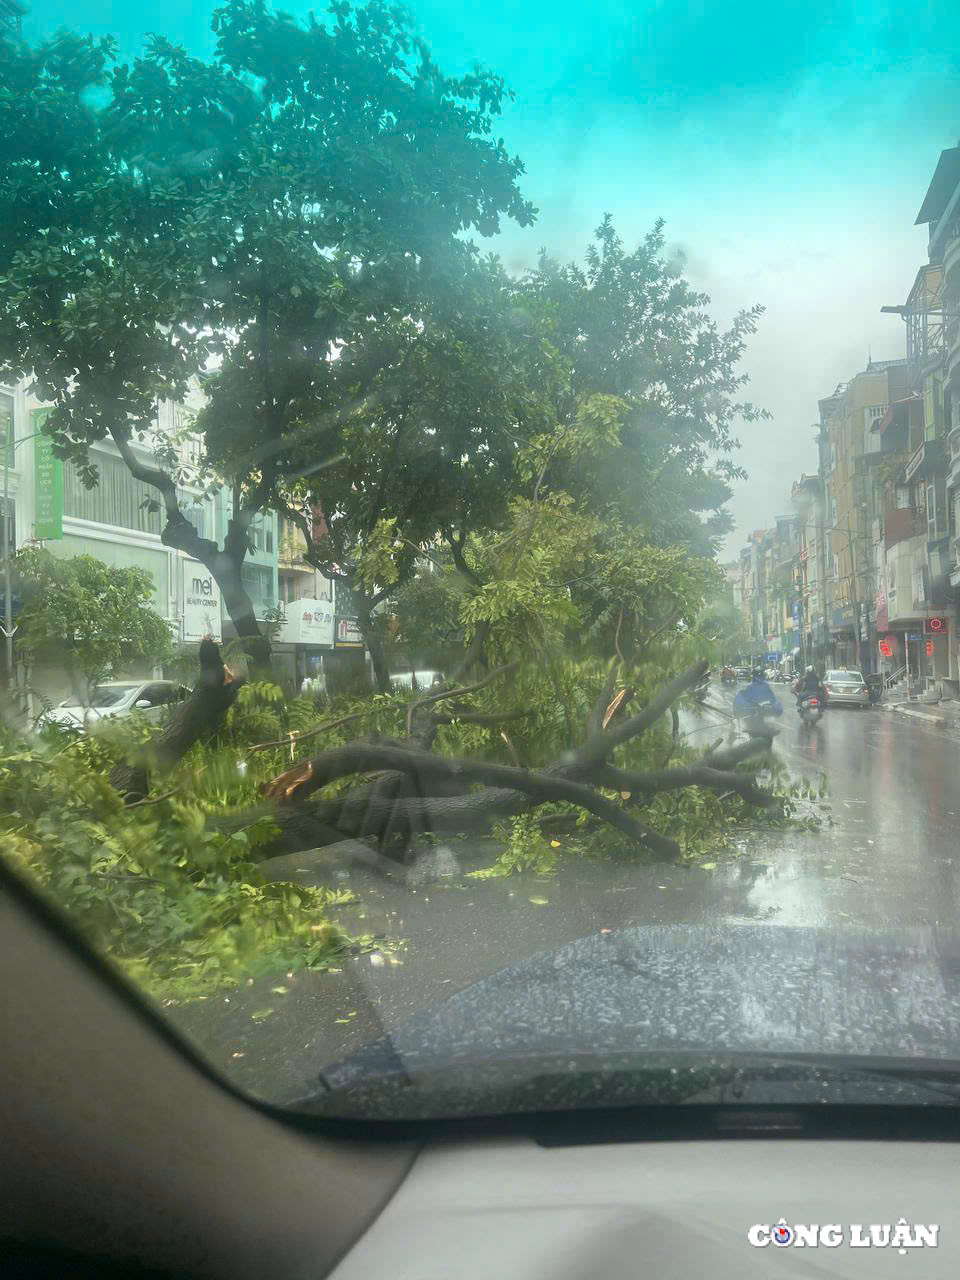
<point>201,602</point>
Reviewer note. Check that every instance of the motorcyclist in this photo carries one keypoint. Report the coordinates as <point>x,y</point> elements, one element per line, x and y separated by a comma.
<point>809,685</point>
<point>758,699</point>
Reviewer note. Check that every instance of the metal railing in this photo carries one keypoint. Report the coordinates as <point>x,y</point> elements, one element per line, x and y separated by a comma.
<point>894,677</point>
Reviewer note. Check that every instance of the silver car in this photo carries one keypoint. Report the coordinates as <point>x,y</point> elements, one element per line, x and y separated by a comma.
<point>846,688</point>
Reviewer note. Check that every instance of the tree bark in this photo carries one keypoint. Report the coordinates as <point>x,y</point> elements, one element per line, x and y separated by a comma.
<point>372,643</point>
<point>225,564</point>
<point>198,718</point>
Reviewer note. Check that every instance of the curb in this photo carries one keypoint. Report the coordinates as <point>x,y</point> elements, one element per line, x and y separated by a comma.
<point>920,715</point>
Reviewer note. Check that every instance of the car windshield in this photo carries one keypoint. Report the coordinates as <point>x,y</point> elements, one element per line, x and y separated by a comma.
<point>110,695</point>
<point>438,416</point>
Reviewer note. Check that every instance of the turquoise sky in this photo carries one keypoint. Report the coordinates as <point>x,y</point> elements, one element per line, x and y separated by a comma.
<point>788,146</point>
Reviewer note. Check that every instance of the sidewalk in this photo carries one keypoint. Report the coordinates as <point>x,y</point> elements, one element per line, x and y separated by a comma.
<point>945,713</point>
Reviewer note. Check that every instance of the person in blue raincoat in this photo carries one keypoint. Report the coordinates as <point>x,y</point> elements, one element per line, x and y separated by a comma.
<point>757,699</point>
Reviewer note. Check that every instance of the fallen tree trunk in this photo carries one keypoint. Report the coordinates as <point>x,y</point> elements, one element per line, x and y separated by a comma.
<point>538,786</point>
<point>197,719</point>
<point>409,791</point>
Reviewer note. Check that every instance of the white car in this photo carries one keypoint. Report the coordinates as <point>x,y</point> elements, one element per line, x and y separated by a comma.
<point>425,679</point>
<point>119,698</point>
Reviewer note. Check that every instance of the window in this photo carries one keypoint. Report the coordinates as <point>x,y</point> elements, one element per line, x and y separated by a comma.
<point>116,499</point>
<point>258,583</point>
<point>268,540</point>
<point>195,510</point>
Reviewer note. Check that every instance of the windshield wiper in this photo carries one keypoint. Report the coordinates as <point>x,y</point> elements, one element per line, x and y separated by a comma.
<point>404,1089</point>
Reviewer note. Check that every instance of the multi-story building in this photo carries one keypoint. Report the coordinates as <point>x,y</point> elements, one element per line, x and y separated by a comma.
<point>305,643</point>
<point>809,631</point>
<point>929,480</point>
<point>118,520</point>
<point>851,451</point>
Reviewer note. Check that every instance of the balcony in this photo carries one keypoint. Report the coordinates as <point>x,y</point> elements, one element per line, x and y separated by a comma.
<point>900,523</point>
<point>925,460</point>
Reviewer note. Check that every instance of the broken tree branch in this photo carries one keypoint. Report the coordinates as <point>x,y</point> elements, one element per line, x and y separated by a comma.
<point>599,745</point>
<point>541,787</point>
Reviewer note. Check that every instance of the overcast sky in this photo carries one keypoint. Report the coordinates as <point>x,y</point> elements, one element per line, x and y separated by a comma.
<point>787,145</point>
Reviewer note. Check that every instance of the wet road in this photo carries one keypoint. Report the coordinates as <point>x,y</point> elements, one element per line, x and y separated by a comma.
<point>889,861</point>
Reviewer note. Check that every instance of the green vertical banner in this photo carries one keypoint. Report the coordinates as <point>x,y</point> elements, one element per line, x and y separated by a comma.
<point>48,482</point>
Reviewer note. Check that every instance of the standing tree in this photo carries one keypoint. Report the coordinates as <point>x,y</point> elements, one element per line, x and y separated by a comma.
<point>304,190</point>
<point>446,396</point>
<point>633,329</point>
<point>87,618</point>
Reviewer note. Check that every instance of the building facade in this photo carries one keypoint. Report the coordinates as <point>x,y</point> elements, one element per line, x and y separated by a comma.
<point>118,522</point>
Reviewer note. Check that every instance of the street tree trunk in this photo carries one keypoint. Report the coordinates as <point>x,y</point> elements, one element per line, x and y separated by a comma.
<point>225,564</point>
<point>372,641</point>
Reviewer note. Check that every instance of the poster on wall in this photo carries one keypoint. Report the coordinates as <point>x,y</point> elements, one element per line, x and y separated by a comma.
<point>348,634</point>
<point>47,482</point>
<point>201,603</point>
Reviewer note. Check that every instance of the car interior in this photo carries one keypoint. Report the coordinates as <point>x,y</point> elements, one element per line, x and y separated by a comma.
<point>125,1155</point>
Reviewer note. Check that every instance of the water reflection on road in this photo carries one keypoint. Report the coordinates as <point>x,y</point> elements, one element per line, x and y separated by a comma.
<point>886,863</point>
<point>890,855</point>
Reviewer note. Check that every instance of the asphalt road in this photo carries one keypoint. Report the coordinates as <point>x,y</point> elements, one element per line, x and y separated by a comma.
<point>889,861</point>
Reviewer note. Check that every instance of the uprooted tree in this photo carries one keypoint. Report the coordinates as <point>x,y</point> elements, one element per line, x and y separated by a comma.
<point>576,615</point>
<point>571,714</point>
<point>415,792</point>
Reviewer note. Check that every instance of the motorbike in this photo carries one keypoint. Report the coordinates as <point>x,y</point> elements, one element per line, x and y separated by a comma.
<point>755,717</point>
<point>728,676</point>
<point>810,708</point>
<point>756,723</point>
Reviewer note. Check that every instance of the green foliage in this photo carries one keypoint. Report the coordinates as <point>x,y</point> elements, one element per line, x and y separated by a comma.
<point>525,849</point>
<point>87,617</point>
<point>191,215</point>
<point>631,328</point>
<point>169,890</point>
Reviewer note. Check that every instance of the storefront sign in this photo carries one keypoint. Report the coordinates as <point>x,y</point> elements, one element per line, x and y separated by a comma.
<point>348,634</point>
<point>308,621</point>
<point>201,603</point>
<point>48,483</point>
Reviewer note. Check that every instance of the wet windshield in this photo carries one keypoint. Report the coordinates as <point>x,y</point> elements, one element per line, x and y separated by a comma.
<point>464,407</point>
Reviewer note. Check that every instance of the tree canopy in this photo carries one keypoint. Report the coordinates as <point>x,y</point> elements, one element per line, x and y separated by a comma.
<point>305,189</point>
<point>87,618</point>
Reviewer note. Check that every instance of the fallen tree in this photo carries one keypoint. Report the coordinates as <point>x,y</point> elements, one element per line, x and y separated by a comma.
<point>197,719</point>
<point>404,790</point>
